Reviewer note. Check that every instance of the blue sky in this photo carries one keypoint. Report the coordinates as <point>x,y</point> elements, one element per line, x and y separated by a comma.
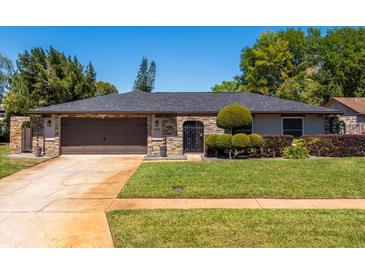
<point>188,58</point>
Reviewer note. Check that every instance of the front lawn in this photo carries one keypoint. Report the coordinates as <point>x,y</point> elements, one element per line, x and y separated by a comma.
<point>10,165</point>
<point>237,228</point>
<point>316,178</point>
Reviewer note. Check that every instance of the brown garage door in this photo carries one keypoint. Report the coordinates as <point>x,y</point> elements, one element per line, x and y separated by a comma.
<point>103,136</point>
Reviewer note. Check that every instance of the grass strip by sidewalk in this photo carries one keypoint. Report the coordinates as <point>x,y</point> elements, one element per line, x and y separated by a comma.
<point>237,228</point>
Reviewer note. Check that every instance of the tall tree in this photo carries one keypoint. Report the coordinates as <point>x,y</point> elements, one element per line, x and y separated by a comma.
<point>304,66</point>
<point>6,69</point>
<point>145,80</point>
<point>48,77</point>
<point>267,65</point>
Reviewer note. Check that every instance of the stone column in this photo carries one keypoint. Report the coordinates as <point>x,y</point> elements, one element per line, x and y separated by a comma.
<point>16,125</point>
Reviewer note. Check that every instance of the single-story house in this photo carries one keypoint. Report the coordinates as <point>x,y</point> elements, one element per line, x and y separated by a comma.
<point>140,122</point>
<point>353,113</point>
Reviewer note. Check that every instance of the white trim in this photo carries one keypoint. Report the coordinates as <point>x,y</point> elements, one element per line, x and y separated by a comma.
<point>291,117</point>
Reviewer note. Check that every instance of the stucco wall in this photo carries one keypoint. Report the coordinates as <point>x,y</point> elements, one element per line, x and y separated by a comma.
<point>271,124</point>
<point>267,124</point>
<point>314,124</point>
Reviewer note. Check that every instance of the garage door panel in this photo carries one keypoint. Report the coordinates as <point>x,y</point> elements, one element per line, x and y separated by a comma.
<point>109,136</point>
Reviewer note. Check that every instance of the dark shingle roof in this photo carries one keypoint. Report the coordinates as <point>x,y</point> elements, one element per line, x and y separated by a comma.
<point>181,102</point>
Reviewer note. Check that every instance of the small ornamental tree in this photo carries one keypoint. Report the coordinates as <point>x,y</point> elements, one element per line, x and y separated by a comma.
<point>233,117</point>
<point>224,142</point>
<point>240,142</point>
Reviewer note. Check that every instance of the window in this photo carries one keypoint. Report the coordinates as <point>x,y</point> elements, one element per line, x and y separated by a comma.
<point>292,126</point>
<point>245,129</point>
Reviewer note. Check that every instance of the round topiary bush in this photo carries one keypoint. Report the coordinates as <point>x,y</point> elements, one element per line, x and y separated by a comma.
<point>256,140</point>
<point>211,141</point>
<point>234,116</point>
<point>224,141</point>
<point>240,141</point>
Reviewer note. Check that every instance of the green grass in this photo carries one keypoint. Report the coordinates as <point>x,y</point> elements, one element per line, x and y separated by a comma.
<point>237,228</point>
<point>11,165</point>
<point>317,178</point>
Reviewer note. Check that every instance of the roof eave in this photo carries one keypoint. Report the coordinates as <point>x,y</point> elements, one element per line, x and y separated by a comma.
<point>179,112</point>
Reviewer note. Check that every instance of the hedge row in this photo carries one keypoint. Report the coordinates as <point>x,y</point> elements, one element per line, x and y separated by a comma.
<point>273,147</point>
<point>318,145</point>
<point>335,145</point>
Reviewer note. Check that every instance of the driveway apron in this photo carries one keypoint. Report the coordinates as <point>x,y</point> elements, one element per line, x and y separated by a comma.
<point>62,202</point>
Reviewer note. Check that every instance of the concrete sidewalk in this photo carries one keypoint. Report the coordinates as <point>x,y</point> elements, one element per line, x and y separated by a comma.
<point>237,203</point>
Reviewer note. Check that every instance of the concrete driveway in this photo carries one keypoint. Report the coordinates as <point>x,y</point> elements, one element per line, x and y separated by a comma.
<point>61,202</point>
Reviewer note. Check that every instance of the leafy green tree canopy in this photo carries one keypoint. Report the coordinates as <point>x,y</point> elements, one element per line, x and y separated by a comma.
<point>6,70</point>
<point>228,86</point>
<point>104,88</point>
<point>46,77</point>
<point>304,66</point>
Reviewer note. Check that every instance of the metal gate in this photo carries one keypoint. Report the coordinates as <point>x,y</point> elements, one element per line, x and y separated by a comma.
<point>26,139</point>
<point>193,136</point>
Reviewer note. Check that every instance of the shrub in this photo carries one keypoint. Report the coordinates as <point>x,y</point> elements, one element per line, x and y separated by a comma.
<point>240,142</point>
<point>296,152</point>
<point>211,145</point>
<point>331,145</point>
<point>224,142</point>
<point>234,116</point>
<point>273,146</point>
<point>211,141</point>
<point>256,140</point>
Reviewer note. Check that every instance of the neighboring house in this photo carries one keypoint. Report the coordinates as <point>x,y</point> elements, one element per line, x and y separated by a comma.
<point>353,110</point>
<point>2,113</point>
<point>139,122</point>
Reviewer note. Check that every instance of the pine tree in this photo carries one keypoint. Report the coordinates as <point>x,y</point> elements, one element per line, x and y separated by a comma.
<point>151,75</point>
<point>145,80</point>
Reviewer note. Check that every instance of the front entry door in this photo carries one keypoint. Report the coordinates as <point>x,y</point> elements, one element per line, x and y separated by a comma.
<point>193,136</point>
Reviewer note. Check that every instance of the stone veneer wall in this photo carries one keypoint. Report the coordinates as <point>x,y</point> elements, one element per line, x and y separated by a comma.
<point>16,125</point>
<point>172,130</point>
<point>350,123</point>
<point>210,127</point>
<point>38,135</point>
